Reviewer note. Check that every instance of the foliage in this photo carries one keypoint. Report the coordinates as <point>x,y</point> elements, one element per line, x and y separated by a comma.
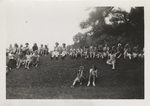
<point>124,27</point>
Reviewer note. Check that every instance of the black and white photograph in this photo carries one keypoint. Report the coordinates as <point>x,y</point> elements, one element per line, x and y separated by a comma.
<point>70,50</point>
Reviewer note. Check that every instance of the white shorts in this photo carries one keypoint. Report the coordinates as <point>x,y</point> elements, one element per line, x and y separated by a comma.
<point>134,55</point>
<point>64,53</point>
<point>55,53</point>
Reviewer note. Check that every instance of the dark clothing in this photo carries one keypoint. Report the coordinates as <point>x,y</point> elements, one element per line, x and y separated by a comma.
<point>11,63</point>
<point>35,48</point>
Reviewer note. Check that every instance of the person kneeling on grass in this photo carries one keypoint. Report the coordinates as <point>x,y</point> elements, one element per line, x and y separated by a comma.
<point>28,60</point>
<point>112,59</point>
<point>92,73</point>
<point>80,76</point>
<point>35,59</point>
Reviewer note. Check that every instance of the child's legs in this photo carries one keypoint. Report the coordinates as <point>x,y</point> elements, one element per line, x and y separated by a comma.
<point>90,77</point>
<point>81,54</point>
<point>53,54</point>
<point>56,54</point>
<point>37,63</point>
<point>74,82</point>
<point>113,64</point>
<point>20,62</point>
<point>93,78</point>
<point>26,62</point>
<point>93,54</point>
<point>109,62</point>
<point>125,55</point>
<point>129,55</point>
<point>29,63</point>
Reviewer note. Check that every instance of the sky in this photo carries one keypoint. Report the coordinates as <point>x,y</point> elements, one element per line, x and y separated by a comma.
<point>44,22</point>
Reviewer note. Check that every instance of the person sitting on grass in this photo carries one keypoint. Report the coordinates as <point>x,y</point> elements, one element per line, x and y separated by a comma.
<point>35,59</point>
<point>119,50</point>
<point>34,48</point>
<point>11,61</point>
<point>46,50</point>
<point>112,59</point>
<point>105,51</point>
<point>135,52</point>
<point>64,51</point>
<point>127,51</point>
<point>56,51</point>
<point>100,52</point>
<point>92,74</point>
<point>20,59</point>
<point>41,50</point>
<point>80,76</point>
<point>141,55</point>
<point>28,59</point>
<point>86,51</point>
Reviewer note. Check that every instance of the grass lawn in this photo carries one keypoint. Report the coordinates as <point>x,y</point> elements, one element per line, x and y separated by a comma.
<point>52,80</point>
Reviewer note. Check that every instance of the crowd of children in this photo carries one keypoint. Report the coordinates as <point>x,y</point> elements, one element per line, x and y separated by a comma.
<point>18,56</point>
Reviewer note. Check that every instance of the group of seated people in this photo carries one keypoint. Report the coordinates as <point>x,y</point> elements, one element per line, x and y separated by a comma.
<point>108,53</point>
<point>18,56</point>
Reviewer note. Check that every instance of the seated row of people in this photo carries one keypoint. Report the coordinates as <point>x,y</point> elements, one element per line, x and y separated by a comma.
<point>103,52</point>
<point>16,49</point>
<point>21,56</point>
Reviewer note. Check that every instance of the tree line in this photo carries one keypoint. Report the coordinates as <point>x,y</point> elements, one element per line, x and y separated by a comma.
<point>120,27</point>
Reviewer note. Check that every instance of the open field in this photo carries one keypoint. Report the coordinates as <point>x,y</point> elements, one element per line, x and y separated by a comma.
<point>52,80</point>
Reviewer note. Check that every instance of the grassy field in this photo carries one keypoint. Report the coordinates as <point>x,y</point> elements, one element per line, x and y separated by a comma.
<point>53,78</point>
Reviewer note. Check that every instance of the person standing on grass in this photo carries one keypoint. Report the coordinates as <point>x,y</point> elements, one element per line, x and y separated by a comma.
<point>92,74</point>
<point>56,51</point>
<point>80,76</point>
